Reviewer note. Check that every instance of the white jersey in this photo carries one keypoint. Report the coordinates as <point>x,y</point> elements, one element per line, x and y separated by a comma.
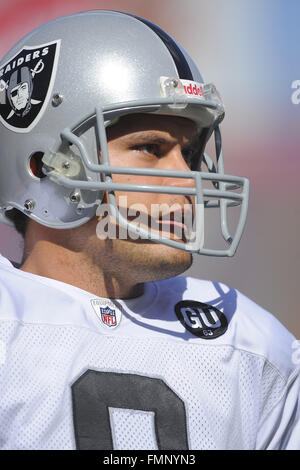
<point>190,364</point>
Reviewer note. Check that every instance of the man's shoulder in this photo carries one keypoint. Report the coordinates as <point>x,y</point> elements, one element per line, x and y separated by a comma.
<point>249,327</point>
<point>28,298</point>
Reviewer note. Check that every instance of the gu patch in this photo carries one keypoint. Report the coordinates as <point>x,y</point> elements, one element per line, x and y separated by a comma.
<point>201,319</point>
<point>26,82</point>
<point>107,312</point>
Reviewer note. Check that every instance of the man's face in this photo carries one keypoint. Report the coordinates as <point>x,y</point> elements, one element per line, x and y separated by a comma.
<point>158,142</point>
<point>20,95</point>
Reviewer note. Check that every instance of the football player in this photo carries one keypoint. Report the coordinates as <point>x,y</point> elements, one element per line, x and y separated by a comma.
<point>102,344</point>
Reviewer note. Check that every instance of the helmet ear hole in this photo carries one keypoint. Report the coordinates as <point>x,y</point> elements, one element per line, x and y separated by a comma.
<point>36,164</point>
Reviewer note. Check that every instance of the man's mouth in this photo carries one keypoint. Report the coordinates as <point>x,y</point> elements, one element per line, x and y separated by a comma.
<point>176,223</point>
<point>172,219</point>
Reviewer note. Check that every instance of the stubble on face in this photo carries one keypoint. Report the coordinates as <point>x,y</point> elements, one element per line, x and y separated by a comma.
<point>148,261</point>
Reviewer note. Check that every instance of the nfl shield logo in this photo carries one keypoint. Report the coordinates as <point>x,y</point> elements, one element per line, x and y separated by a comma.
<point>108,316</point>
<point>108,312</point>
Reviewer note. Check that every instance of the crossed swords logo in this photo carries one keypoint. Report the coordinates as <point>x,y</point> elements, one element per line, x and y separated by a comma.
<point>5,85</point>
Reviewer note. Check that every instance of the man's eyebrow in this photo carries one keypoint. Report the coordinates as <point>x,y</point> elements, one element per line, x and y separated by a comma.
<point>150,136</point>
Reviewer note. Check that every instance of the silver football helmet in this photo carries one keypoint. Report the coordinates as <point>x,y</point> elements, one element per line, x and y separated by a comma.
<point>64,83</point>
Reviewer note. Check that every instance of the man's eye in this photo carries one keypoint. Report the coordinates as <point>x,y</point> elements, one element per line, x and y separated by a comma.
<point>150,149</point>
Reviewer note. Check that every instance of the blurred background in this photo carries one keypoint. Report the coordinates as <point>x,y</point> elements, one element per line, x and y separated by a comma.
<point>249,49</point>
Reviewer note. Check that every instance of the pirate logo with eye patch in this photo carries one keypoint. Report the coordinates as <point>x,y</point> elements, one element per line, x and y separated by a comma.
<point>26,82</point>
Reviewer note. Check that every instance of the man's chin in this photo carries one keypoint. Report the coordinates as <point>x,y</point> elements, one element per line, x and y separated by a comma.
<point>173,266</point>
<point>154,260</point>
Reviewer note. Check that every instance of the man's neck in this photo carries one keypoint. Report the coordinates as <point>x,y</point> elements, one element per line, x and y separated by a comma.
<point>76,268</point>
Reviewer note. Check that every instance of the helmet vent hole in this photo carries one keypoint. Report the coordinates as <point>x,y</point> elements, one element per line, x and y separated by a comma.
<point>36,164</point>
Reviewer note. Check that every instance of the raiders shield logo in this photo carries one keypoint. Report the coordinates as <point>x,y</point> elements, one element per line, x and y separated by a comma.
<point>26,82</point>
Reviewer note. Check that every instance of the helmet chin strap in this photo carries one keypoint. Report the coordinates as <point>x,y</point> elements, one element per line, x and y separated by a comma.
<point>5,220</point>
<point>224,203</point>
<point>223,186</point>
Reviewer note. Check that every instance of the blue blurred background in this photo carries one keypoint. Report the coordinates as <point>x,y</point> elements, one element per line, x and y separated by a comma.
<point>249,49</point>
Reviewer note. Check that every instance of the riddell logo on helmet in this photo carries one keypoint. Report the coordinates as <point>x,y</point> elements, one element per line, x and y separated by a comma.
<point>171,86</point>
<point>192,88</point>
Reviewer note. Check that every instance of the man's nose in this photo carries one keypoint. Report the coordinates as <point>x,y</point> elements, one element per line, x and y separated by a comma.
<point>175,161</point>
